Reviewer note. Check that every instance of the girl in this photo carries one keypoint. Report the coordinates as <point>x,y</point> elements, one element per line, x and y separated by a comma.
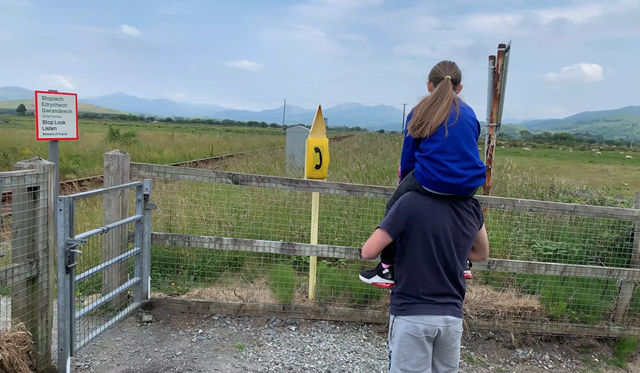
<point>439,156</point>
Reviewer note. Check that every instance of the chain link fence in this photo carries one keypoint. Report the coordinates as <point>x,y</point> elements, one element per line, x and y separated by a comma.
<point>26,261</point>
<point>243,238</point>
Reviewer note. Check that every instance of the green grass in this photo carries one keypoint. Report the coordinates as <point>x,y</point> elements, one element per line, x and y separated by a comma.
<point>625,349</point>
<point>283,282</point>
<point>267,214</point>
<point>157,143</point>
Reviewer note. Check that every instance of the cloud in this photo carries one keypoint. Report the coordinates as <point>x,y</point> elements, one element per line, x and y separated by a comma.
<point>244,65</point>
<point>178,96</point>
<point>57,81</point>
<point>582,72</point>
<point>130,31</point>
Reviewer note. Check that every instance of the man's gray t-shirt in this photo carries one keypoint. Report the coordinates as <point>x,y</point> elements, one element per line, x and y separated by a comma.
<point>434,236</point>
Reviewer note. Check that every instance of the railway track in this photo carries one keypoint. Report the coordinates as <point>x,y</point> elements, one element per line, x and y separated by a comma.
<point>73,186</point>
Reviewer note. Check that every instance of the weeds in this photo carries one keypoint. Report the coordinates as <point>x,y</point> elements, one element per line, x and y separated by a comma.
<point>625,349</point>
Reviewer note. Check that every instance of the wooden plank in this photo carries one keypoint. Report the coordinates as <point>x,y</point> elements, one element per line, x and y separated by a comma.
<point>626,286</point>
<point>344,252</point>
<point>551,328</point>
<point>556,269</point>
<point>18,272</point>
<point>141,170</point>
<point>558,208</point>
<point>261,309</point>
<point>235,309</point>
<point>32,208</point>
<point>116,208</point>
<point>256,246</point>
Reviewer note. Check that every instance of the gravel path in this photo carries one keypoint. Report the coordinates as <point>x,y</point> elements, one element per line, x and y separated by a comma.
<point>176,342</point>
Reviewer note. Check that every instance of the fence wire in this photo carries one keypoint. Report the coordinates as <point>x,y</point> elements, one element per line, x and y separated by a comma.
<point>198,203</point>
<point>25,279</point>
<point>94,307</point>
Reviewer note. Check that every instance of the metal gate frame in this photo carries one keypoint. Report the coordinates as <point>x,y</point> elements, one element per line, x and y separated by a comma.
<point>68,247</point>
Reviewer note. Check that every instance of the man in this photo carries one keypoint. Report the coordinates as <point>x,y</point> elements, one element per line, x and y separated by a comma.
<point>435,234</point>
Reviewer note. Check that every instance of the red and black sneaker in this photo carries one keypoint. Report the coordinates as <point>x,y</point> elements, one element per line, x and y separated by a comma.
<point>467,272</point>
<point>379,276</point>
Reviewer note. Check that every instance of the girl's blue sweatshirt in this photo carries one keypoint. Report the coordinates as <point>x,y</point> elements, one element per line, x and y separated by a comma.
<point>446,164</point>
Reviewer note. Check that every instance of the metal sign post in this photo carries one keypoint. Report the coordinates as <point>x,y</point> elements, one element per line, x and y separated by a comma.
<point>56,116</point>
<point>498,66</point>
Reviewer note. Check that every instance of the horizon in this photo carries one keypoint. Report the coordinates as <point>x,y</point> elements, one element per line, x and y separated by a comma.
<point>506,120</point>
<point>252,54</point>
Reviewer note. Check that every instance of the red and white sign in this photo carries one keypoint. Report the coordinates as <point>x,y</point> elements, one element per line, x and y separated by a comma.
<point>56,116</point>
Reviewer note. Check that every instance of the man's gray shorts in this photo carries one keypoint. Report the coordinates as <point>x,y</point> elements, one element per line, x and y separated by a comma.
<point>424,344</point>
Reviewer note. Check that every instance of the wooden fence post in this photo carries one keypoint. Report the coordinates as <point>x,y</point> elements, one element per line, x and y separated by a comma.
<point>33,236</point>
<point>116,207</point>
<point>626,287</point>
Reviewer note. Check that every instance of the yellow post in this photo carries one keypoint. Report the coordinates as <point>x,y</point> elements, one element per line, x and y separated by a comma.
<point>316,166</point>
<point>313,261</point>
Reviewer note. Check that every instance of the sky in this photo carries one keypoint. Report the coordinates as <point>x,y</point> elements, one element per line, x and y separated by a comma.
<point>567,56</point>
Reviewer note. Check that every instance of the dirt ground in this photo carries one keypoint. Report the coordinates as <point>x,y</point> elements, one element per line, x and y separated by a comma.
<point>177,342</point>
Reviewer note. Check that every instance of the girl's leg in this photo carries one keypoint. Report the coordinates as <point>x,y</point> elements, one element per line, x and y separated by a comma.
<point>408,184</point>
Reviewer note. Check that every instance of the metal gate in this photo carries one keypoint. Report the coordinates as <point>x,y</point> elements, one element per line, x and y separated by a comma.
<point>104,272</point>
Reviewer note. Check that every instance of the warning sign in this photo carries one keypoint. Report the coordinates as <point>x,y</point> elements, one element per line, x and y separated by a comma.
<point>56,116</point>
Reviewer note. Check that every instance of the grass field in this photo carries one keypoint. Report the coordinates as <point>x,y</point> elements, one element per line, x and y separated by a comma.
<point>258,213</point>
<point>154,143</point>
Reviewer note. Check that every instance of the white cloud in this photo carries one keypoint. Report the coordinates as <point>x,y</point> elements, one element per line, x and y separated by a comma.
<point>574,14</point>
<point>130,31</point>
<point>57,81</point>
<point>245,65</point>
<point>582,72</point>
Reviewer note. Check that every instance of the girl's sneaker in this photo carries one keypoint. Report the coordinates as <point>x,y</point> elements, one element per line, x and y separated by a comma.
<point>467,272</point>
<point>379,276</point>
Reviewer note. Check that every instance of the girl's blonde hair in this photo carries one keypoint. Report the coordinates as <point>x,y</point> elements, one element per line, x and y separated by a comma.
<point>434,109</point>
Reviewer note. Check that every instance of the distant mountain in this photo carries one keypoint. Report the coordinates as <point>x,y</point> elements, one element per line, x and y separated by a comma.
<point>164,107</point>
<point>351,115</point>
<point>610,124</point>
<point>15,93</point>
<point>83,108</point>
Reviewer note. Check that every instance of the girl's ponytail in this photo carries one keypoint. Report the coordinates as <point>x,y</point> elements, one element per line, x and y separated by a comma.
<point>435,109</point>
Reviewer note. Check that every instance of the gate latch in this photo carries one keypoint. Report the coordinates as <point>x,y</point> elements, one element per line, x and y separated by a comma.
<point>72,245</point>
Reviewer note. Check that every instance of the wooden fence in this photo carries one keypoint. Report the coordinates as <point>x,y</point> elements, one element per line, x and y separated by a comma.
<point>625,273</point>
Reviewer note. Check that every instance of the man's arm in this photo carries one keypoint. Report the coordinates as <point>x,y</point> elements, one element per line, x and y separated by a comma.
<point>375,244</point>
<point>480,248</point>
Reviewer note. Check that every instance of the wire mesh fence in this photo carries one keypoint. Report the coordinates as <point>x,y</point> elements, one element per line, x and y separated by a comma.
<point>25,262</point>
<point>264,216</point>
<point>92,310</point>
